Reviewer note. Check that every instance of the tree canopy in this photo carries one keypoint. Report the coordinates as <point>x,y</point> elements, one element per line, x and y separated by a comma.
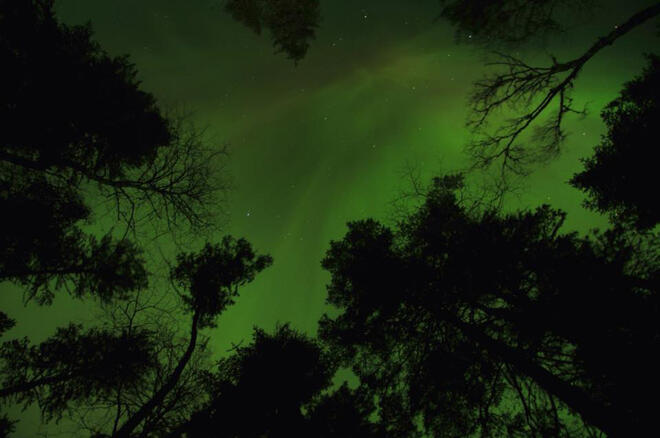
<point>211,278</point>
<point>446,313</point>
<point>539,96</point>
<point>73,366</point>
<point>279,386</point>
<point>81,132</point>
<point>124,361</point>
<point>507,22</point>
<point>291,23</point>
<point>79,128</point>
<point>618,177</point>
<point>92,116</point>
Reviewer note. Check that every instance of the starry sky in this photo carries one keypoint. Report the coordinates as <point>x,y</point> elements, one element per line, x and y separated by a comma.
<point>383,88</point>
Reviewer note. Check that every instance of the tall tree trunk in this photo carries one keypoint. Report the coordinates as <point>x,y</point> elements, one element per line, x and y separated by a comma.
<point>129,426</point>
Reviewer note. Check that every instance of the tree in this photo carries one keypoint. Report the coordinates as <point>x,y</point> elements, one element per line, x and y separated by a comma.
<point>44,249</point>
<point>292,23</point>
<point>261,388</point>
<point>98,136</point>
<point>278,386</point>
<point>153,311</point>
<point>92,116</point>
<point>531,91</point>
<point>72,366</point>
<point>617,177</point>
<point>344,412</point>
<point>507,23</point>
<point>211,279</point>
<point>131,367</point>
<point>447,316</point>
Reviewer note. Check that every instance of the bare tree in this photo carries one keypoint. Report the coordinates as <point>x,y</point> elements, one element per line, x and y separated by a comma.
<point>531,91</point>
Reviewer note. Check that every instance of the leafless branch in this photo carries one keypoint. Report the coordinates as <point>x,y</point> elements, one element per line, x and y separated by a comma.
<point>531,91</point>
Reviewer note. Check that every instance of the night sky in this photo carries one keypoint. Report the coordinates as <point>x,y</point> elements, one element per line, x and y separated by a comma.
<point>383,87</point>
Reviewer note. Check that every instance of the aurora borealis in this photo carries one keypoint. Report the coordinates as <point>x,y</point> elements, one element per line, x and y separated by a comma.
<point>383,87</point>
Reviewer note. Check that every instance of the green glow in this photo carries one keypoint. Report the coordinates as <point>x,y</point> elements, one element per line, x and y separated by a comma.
<point>325,142</point>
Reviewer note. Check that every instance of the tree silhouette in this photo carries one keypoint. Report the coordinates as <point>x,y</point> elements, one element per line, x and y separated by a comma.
<point>45,251</point>
<point>446,315</point>
<point>260,389</point>
<point>99,136</point>
<point>617,177</point>
<point>44,248</point>
<point>72,366</point>
<point>507,23</point>
<point>277,387</point>
<point>153,311</point>
<point>93,118</point>
<point>344,412</point>
<point>291,23</point>
<point>531,91</point>
<point>131,367</point>
<point>211,279</point>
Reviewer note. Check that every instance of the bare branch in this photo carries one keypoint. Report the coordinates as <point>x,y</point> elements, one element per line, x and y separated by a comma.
<point>531,91</point>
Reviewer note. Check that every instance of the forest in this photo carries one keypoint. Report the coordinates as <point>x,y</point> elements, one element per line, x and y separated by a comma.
<point>458,314</point>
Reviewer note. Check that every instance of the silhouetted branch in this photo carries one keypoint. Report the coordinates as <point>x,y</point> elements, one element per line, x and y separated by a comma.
<point>535,89</point>
<point>177,186</point>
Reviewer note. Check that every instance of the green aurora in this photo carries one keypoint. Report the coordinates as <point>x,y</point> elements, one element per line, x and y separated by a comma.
<point>383,87</point>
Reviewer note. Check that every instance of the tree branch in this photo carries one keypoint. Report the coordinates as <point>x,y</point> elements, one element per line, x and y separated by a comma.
<point>534,88</point>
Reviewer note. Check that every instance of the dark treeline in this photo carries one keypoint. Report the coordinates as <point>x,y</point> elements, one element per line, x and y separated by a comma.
<point>457,320</point>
